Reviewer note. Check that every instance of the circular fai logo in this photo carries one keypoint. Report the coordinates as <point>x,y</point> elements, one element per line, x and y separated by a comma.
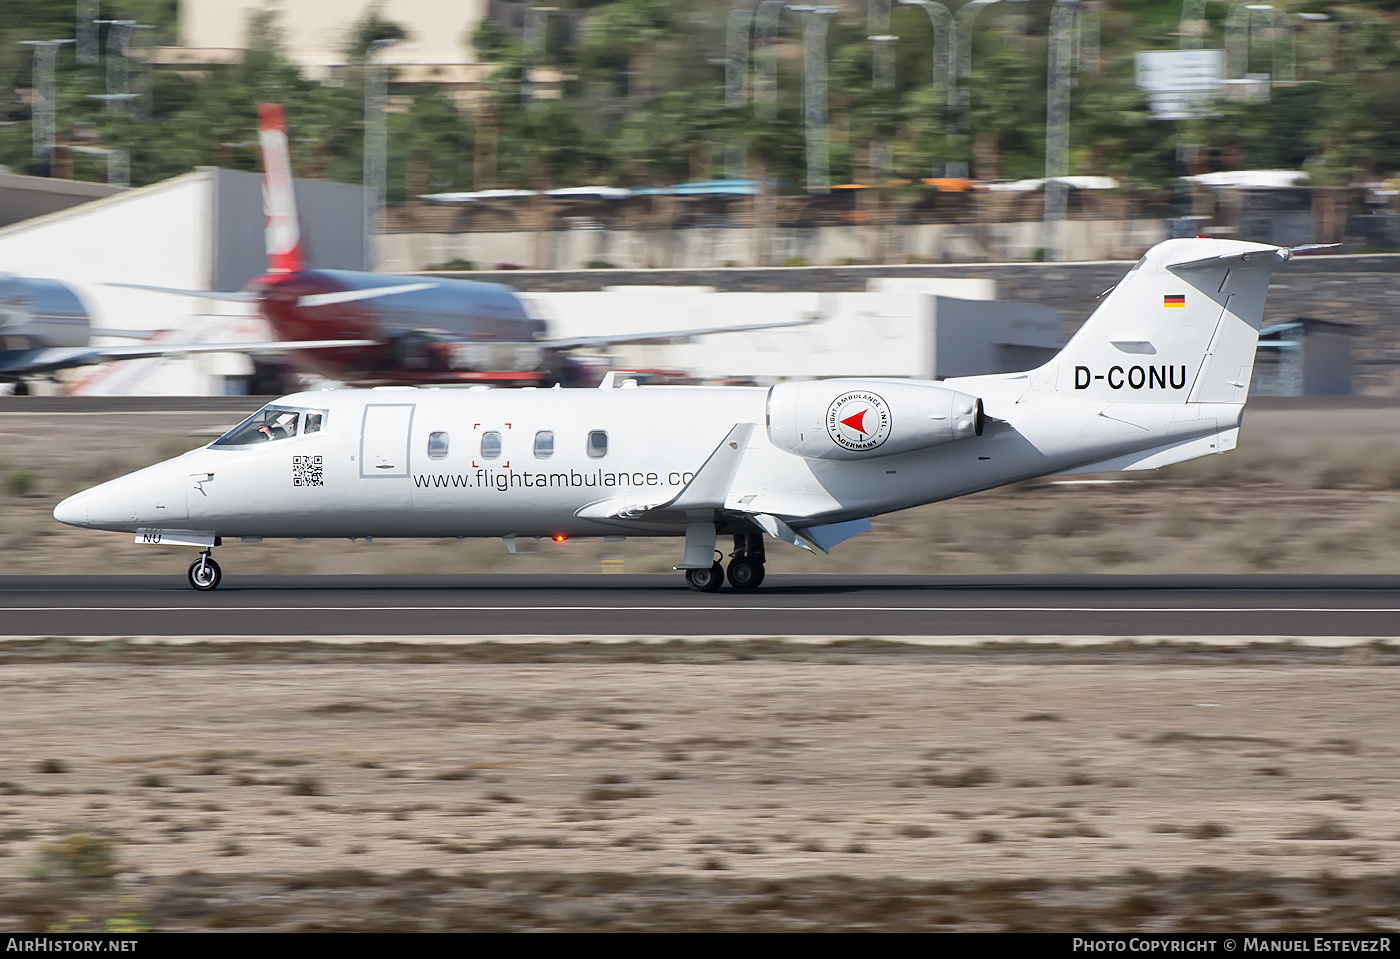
<point>858,420</point>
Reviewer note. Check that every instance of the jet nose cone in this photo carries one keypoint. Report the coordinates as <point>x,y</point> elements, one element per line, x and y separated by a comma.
<point>73,510</point>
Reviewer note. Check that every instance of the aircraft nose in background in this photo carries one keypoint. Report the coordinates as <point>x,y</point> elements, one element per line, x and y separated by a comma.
<point>73,510</point>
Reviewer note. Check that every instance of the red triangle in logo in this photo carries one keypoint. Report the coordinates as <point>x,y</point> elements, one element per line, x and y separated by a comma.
<point>856,421</point>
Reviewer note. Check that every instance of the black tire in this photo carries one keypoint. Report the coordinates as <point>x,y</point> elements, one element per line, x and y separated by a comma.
<point>745,573</point>
<point>705,580</point>
<point>21,388</point>
<point>205,574</point>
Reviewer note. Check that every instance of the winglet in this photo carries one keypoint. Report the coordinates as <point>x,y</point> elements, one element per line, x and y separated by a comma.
<point>710,486</point>
<point>282,230</point>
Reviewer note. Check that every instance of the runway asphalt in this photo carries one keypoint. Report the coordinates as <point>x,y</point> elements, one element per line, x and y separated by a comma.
<point>1258,606</point>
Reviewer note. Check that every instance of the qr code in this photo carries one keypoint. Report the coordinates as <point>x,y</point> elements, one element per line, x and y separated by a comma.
<point>306,471</point>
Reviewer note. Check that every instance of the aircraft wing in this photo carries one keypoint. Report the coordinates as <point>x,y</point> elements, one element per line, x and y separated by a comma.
<point>308,299</point>
<point>570,343</point>
<point>56,358</point>
<point>237,296</point>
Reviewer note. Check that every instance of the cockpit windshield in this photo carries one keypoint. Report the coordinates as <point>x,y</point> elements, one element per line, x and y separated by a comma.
<point>272,423</point>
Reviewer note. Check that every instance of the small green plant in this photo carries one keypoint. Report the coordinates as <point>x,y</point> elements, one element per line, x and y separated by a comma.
<point>81,856</point>
<point>19,482</point>
<point>51,766</point>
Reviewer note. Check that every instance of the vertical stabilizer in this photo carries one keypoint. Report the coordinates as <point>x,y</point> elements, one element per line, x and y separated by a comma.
<point>1181,327</point>
<point>282,230</point>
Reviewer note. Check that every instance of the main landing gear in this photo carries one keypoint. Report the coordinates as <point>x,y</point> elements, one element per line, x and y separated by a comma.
<point>204,572</point>
<point>745,567</point>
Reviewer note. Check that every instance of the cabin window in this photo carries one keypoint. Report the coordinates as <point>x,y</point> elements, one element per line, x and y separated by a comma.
<point>598,444</point>
<point>490,445</point>
<point>437,446</point>
<point>544,444</point>
<point>312,423</point>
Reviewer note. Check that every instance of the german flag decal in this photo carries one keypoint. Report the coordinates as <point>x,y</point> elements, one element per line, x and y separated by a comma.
<point>1174,299</point>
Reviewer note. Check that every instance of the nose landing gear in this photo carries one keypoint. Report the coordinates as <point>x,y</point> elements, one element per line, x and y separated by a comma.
<point>205,574</point>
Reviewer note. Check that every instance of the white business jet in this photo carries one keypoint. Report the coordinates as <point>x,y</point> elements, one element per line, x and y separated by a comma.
<point>1159,374</point>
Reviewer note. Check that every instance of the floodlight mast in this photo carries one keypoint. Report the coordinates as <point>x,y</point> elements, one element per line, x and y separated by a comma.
<point>376,148</point>
<point>45,99</point>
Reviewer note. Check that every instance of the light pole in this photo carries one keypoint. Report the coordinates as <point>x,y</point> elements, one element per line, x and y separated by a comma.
<point>877,22</point>
<point>376,147</point>
<point>945,68</point>
<point>962,51</point>
<point>87,31</point>
<point>118,160</point>
<point>736,84</point>
<point>118,68</point>
<point>766,88</point>
<point>1289,71</point>
<point>1192,28</point>
<point>1238,23</point>
<point>119,60</point>
<point>536,27</point>
<point>814,97</point>
<point>1057,122</point>
<point>45,99</point>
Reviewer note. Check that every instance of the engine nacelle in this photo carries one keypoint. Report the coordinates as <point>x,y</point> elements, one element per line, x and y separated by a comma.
<point>860,419</point>
<point>37,313</point>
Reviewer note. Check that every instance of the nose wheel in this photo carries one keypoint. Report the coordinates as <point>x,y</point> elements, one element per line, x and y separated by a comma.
<point>205,573</point>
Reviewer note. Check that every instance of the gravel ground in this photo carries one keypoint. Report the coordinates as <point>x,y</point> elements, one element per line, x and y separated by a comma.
<point>982,793</point>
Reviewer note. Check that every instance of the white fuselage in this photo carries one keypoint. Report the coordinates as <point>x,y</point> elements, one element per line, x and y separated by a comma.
<point>420,463</point>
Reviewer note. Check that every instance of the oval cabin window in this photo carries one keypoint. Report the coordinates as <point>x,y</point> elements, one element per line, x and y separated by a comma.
<point>437,446</point>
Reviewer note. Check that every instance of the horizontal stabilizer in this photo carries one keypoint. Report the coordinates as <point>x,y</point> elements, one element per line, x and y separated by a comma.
<point>1160,456</point>
<point>1227,259</point>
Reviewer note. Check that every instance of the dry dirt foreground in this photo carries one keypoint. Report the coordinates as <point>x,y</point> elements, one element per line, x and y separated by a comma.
<point>974,792</point>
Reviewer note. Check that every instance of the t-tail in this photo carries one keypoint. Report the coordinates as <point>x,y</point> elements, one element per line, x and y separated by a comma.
<point>1180,328</point>
<point>282,230</point>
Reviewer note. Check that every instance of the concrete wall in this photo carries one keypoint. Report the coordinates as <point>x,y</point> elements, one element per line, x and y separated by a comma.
<point>710,247</point>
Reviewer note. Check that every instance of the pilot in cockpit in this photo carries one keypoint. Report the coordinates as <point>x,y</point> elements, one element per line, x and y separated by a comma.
<point>279,427</point>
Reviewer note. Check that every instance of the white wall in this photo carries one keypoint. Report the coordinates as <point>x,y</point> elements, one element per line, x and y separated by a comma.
<point>314,32</point>
<point>854,334</point>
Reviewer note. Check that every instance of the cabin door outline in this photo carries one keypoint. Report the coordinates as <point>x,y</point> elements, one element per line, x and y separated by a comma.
<point>384,440</point>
